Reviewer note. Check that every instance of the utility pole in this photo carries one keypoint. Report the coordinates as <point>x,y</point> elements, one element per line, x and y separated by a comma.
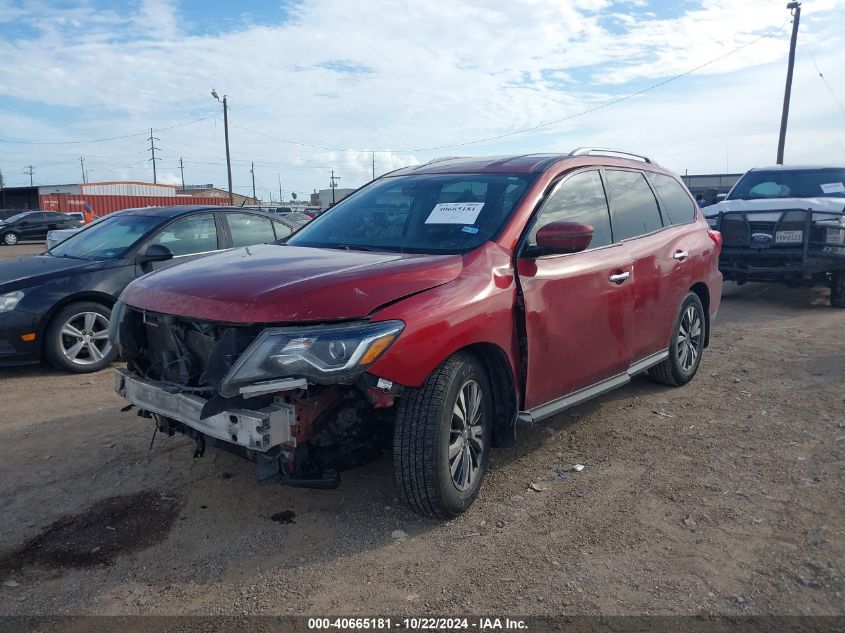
<point>82,166</point>
<point>226,135</point>
<point>252,171</point>
<point>29,170</point>
<point>333,182</point>
<point>2,191</point>
<point>374,165</point>
<point>795,7</point>
<point>153,149</point>
<point>182,169</point>
<point>280,189</point>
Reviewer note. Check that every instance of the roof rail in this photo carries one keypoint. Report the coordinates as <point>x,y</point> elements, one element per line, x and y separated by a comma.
<point>441,158</point>
<point>589,151</point>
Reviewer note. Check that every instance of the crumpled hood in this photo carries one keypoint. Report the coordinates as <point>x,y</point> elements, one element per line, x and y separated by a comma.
<point>35,270</point>
<point>776,205</point>
<point>279,284</point>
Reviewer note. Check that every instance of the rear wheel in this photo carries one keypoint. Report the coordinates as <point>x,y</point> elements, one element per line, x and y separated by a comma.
<point>441,444</point>
<point>837,289</point>
<point>77,339</point>
<point>9,239</point>
<point>686,346</point>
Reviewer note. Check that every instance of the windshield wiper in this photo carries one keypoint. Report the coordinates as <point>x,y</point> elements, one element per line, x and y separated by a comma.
<point>355,247</point>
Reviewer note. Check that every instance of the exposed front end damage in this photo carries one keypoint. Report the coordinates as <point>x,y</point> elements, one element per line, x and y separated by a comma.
<point>228,386</point>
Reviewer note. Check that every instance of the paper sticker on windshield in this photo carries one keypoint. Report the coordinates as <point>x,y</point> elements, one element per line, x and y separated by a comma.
<point>833,187</point>
<point>455,213</point>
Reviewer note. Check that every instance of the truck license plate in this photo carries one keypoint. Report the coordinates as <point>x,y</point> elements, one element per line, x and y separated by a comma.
<point>789,237</point>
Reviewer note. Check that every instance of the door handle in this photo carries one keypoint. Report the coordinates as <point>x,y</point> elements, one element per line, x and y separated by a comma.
<point>681,255</point>
<point>619,278</point>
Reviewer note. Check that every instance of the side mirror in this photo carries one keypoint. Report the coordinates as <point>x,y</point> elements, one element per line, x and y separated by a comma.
<point>564,237</point>
<point>156,253</point>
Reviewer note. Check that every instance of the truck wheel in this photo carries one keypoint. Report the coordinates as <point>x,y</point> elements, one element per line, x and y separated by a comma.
<point>441,445</point>
<point>77,338</point>
<point>9,239</point>
<point>837,289</point>
<point>686,346</point>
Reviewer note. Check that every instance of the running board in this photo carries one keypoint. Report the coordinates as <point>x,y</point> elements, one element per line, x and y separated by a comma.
<point>577,397</point>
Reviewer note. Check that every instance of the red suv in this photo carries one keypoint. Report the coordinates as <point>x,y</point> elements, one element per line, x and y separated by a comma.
<point>430,311</point>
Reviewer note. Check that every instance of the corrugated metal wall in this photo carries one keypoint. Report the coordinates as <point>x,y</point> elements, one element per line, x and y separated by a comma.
<point>127,189</point>
<point>103,205</point>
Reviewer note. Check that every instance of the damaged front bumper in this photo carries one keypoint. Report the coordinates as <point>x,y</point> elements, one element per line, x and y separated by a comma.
<point>259,430</point>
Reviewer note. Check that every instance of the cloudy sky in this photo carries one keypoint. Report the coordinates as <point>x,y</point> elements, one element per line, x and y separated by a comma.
<point>316,85</point>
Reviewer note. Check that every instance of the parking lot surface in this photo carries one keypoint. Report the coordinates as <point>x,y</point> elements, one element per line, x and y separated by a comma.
<point>725,496</point>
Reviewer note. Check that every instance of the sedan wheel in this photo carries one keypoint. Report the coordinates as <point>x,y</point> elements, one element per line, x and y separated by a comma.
<point>85,338</point>
<point>78,338</point>
<point>10,239</point>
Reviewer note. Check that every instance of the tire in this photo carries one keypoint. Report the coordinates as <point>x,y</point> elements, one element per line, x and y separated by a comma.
<point>686,346</point>
<point>87,353</point>
<point>837,289</point>
<point>9,239</point>
<point>428,426</point>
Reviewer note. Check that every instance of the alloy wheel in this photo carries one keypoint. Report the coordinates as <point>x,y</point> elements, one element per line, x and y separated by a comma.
<point>466,444</point>
<point>690,339</point>
<point>84,338</point>
<point>10,239</point>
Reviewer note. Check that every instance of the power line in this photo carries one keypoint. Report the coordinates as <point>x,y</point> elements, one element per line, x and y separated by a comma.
<point>827,85</point>
<point>103,140</point>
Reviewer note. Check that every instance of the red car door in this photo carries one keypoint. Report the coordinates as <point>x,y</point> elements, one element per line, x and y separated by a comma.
<point>659,253</point>
<point>578,306</point>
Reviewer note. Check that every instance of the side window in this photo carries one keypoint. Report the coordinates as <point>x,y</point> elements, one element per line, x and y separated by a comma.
<point>196,234</point>
<point>633,207</point>
<point>282,230</point>
<point>247,229</point>
<point>677,205</point>
<point>579,199</point>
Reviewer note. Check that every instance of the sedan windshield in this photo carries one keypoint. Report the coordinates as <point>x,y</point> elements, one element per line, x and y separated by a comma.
<point>451,213</point>
<point>790,183</point>
<point>109,238</point>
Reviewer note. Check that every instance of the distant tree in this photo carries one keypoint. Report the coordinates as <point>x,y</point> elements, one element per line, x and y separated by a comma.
<point>293,195</point>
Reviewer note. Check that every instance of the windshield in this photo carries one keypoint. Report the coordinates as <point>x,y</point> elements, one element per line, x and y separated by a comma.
<point>109,238</point>
<point>452,213</point>
<point>17,217</point>
<point>788,183</point>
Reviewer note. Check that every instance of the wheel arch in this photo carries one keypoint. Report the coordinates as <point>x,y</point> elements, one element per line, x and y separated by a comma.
<point>703,293</point>
<point>94,296</point>
<point>504,390</point>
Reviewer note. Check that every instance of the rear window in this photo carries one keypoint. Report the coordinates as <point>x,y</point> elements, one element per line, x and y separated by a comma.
<point>678,207</point>
<point>633,208</point>
<point>790,183</point>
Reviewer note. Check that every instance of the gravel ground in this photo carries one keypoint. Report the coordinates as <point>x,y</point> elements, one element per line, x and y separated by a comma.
<point>723,497</point>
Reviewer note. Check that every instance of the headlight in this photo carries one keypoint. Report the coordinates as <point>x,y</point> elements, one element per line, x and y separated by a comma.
<point>325,354</point>
<point>10,300</point>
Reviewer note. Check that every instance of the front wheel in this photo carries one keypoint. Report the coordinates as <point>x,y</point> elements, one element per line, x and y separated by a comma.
<point>9,239</point>
<point>686,346</point>
<point>78,338</point>
<point>441,445</point>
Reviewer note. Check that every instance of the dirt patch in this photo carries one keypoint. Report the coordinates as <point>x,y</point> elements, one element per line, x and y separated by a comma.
<point>106,530</point>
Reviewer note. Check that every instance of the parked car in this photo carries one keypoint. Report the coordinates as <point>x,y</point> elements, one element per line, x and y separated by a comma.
<point>785,224</point>
<point>60,235</point>
<point>448,300</point>
<point>33,225</point>
<point>57,305</point>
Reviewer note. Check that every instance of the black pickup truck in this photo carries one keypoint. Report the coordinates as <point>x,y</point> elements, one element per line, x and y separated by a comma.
<point>785,224</point>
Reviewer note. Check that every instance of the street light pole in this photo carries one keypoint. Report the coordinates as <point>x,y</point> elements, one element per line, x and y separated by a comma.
<point>226,136</point>
<point>795,7</point>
